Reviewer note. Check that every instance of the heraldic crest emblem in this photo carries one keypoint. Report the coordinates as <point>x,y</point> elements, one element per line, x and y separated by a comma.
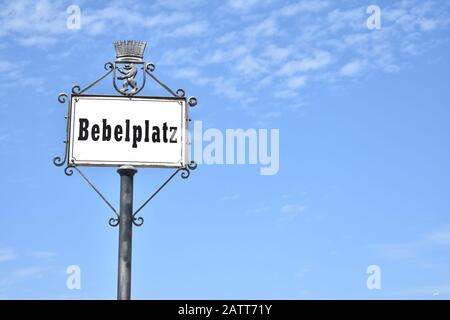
<point>129,61</point>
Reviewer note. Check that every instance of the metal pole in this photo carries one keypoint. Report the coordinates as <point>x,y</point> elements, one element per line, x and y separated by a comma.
<point>125,231</point>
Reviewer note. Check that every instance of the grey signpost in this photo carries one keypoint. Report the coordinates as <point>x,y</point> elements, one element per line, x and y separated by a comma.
<point>125,232</point>
<point>118,145</point>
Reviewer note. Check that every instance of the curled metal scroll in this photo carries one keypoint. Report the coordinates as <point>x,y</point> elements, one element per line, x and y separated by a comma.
<point>192,101</point>
<point>58,161</point>
<point>186,171</point>
<point>62,97</point>
<point>114,222</point>
<point>68,171</point>
<point>149,67</point>
<point>180,93</point>
<point>139,221</point>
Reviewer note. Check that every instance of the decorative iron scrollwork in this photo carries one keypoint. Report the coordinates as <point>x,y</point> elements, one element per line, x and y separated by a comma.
<point>139,221</point>
<point>192,101</point>
<point>180,93</point>
<point>150,67</point>
<point>114,222</point>
<point>186,171</point>
<point>128,64</point>
<point>58,161</point>
<point>68,171</point>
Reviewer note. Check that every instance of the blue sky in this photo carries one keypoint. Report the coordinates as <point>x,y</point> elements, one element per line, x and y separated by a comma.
<point>364,171</point>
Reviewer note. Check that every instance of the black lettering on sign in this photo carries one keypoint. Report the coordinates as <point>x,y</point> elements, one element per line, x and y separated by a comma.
<point>126,132</point>
<point>106,131</point>
<point>173,130</point>
<point>118,131</point>
<point>147,129</point>
<point>165,132</point>
<point>156,135</point>
<point>84,133</point>
<point>95,132</point>
<point>137,135</point>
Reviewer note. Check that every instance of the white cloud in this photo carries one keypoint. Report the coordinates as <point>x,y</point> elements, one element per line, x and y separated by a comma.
<point>7,255</point>
<point>294,83</point>
<point>190,30</point>
<point>352,68</point>
<point>319,60</point>
<point>257,45</point>
<point>231,197</point>
<point>28,272</point>
<point>44,254</point>
<point>276,54</point>
<point>292,208</point>
<point>347,20</point>
<point>265,28</point>
<point>396,251</point>
<point>271,115</point>
<point>258,210</point>
<point>187,73</point>
<point>250,66</point>
<point>4,137</point>
<point>227,88</point>
<point>227,37</point>
<point>243,5</point>
<point>441,237</point>
<point>413,249</point>
<point>290,211</point>
<point>37,41</point>
<point>304,6</point>
<point>435,290</point>
<point>44,23</point>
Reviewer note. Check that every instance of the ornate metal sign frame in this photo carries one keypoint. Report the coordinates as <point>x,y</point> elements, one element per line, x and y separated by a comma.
<point>129,61</point>
<point>183,104</point>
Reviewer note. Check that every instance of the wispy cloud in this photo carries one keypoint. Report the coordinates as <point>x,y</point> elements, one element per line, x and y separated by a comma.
<point>20,274</point>
<point>318,60</point>
<point>28,272</point>
<point>441,237</point>
<point>7,255</point>
<point>311,41</point>
<point>353,68</point>
<point>413,249</point>
<point>396,251</point>
<point>258,210</point>
<point>244,5</point>
<point>290,211</point>
<point>44,254</point>
<point>4,136</point>
<point>248,49</point>
<point>43,23</point>
<point>231,197</point>
<point>435,290</point>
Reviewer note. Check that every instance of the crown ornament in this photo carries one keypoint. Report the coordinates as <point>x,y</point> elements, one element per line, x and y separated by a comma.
<point>130,50</point>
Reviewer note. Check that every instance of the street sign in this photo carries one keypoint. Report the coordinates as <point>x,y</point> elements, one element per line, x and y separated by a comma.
<point>118,130</point>
<point>127,131</point>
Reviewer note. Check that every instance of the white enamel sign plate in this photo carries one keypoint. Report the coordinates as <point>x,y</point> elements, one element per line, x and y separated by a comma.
<point>138,131</point>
